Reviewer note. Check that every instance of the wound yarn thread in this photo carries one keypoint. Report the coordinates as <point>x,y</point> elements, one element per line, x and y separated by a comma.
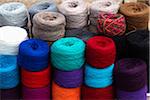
<point>35,79</point>
<point>136,14</point>
<point>48,26</point>
<point>33,55</point>
<point>69,79</point>
<point>59,93</point>
<point>100,51</point>
<point>13,14</point>
<point>76,13</point>
<point>98,78</point>
<point>111,24</point>
<point>67,54</point>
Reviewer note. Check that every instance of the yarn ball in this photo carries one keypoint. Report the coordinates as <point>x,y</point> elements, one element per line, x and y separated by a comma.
<point>76,13</point>
<point>68,54</point>
<point>36,93</point>
<point>60,93</point>
<point>69,79</point>
<point>33,55</point>
<point>128,74</point>
<point>9,73</point>
<point>35,79</point>
<point>135,95</point>
<point>88,93</point>
<point>111,24</point>
<point>98,78</point>
<point>9,44</point>
<point>13,14</point>
<point>100,51</point>
<point>42,6</point>
<point>48,26</point>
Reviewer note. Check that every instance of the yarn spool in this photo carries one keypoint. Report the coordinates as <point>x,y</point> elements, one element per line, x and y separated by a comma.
<point>128,74</point>
<point>35,79</point>
<point>69,79</point>
<point>48,26</point>
<point>99,6</point>
<point>42,6</point>
<point>135,95</point>
<point>136,14</point>
<point>111,24</point>
<point>67,54</point>
<point>76,13</point>
<point>100,51</point>
<point>36,94</point>
<point>8,42</point>
<point>10,94</point>
<point>59,93</point>
<point>9,73</point>
<point>33,55</point>
<point>13,14</point>
<point>88,93</point>
<point>98,78</point>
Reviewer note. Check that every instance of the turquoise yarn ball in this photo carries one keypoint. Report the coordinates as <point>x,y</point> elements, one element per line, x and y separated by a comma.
<point>67,54</point>
<point>98,78</point>
<point>9,73</point>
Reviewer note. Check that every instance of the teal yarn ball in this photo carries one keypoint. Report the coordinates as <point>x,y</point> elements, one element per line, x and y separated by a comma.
<point>98,78</point>
<point>9,72</point>
<point>67,54</point>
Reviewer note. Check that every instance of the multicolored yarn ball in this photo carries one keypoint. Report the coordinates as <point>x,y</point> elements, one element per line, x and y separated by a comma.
<point>88,93</point>
<point>36,93</point>
<point>67,54</point>
<point>98,78</point>
<point>100,51</point>
<point>61,93</point>
<point>70,79</point>
<point>111,24</point>
<point>130,74</point>
<point>134,95</point>
<point>35,79</point>
<point>33,55</point>
<point>9,72</point>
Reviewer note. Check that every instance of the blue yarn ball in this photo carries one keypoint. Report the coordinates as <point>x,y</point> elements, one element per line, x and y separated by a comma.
<point>98,78</point>
<point>42,6</point>
<point>67,54</point>
<point>33,55</point>
<point>9,73</point>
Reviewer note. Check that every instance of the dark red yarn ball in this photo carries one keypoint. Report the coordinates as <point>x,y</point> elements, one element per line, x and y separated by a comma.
<point>100,51</point>
<point>88,93</point>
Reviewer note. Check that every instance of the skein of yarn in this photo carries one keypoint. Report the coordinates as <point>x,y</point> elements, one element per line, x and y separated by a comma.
<point>33,55</point>
<point>76,13</point>
<point>9,74</point>
<point>69,79</point>
<point>98,78</point>
<point>100,51</point>
<point>36,94</point>
<point>49,26</point>
<point>111,24</point>
<point>8,42</point>
<point>13,14</point>
<point>35,79</point>
<point>136,14</point>
<point>42,6</point>
<point>88,93</point>
<point>60,93</point>
<point>128,74</point>
<point>67,54</point>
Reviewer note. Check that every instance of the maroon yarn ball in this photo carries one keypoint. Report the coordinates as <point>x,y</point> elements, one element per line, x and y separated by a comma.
<point>100,51</point>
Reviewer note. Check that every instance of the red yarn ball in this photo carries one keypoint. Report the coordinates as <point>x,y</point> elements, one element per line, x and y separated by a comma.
<point>35,79</point>
<point>111,24</point>
<point>100,51</point>
<point>88,93</point>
